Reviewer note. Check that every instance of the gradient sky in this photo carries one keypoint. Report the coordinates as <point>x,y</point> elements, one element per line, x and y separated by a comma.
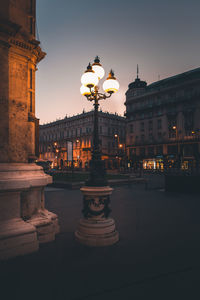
<point>161,36</point>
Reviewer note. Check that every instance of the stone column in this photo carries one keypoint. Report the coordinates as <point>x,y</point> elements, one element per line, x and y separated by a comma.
<point>24,221</point>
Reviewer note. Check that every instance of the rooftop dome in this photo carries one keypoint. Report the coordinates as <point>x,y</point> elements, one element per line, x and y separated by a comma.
<point>137,83</point>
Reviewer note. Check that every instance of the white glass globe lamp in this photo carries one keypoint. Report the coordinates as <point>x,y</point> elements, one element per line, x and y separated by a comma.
<point>89,78</point>
<point>97,68</point>
<point>84,90</point>
<point>111,85</point>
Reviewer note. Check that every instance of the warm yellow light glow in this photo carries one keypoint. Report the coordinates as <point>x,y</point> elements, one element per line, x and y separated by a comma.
<point>99,71</point>
<point>111,85</point>
<point>116,135</point>
<point>85,90</point>
<point>89,79</point>
<point>174,127</point>
<point>120,145</point>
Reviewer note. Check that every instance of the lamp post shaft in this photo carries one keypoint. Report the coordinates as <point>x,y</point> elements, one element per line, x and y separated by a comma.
<point>97,176</point>
<point>96,153</point>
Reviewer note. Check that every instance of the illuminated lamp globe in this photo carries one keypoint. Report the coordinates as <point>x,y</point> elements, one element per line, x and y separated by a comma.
<point>111,85</point>
<point>89,78</point>
<point>97,68</point>
<point>85,90</point>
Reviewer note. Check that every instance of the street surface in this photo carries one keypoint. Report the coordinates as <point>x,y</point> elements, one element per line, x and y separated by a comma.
<point>157,257</point>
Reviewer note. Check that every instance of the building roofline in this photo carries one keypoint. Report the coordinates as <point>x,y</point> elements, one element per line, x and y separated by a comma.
<point>84,114</point>
<point>173,78</point>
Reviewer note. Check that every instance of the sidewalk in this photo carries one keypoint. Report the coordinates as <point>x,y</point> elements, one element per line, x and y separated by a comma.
<point>157,256</point>
<point>111,182</point>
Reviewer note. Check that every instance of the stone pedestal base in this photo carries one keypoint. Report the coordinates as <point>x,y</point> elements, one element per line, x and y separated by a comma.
<point>17,238</point>
<point>96,229</point>
<point>24,221</point>
<point>46,225</point>
<point>97,233</point>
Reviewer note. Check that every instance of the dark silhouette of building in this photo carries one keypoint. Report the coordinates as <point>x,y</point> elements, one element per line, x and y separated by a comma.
<point>163,122</point>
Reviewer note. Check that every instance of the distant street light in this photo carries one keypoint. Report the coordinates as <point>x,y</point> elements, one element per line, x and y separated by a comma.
<point>56,150</point>
<point>96,229</point>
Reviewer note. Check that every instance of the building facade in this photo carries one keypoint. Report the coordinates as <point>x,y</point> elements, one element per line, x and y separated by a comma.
<point>163,122</point>
<point>70,139</point>
<point>20,53</point>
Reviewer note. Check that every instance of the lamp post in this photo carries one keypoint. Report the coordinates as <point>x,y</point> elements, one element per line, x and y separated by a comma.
<point>178,158</point>
<point>77,151</point>
<point>117,150</point>
<point>56,152</point>
<point>96,228</point>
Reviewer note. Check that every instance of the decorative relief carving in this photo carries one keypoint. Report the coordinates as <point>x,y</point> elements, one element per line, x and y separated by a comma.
<point>94,206</point>
<point>19,105</point>
<point>31,45</point>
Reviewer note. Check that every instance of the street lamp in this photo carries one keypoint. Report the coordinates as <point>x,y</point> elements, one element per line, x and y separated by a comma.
<point>90,90</point>
<point>56,152</point>
<point>96,228</point>
<point>77,152</point>
<point>178,160</point>
<point>119,149</point>
<point>116,136</point>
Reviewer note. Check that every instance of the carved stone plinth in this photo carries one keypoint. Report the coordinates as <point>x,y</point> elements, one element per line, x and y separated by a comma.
<point>24,221</point>
<point>17,238</point>
<point>96,228</point>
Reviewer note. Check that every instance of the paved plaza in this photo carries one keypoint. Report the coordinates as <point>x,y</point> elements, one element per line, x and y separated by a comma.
<point>157,257</point>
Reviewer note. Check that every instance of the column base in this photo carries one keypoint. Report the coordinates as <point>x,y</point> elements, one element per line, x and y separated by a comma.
<point>17,238</point>
<point>24,221</point>
<point>46,224</point>
<point>97,233</point>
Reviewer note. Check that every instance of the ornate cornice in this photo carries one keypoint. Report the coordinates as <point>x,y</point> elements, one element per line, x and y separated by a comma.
<point>30,45</point>
<point>11,34</point>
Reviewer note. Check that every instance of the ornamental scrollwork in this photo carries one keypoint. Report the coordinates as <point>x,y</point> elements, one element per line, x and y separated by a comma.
<point>96,206</point>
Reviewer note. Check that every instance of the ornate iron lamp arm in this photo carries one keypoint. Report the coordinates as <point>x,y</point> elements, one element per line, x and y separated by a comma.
<point>96,95</point>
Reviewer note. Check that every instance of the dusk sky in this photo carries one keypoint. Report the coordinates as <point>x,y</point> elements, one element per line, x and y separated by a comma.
<point>161,36</point>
